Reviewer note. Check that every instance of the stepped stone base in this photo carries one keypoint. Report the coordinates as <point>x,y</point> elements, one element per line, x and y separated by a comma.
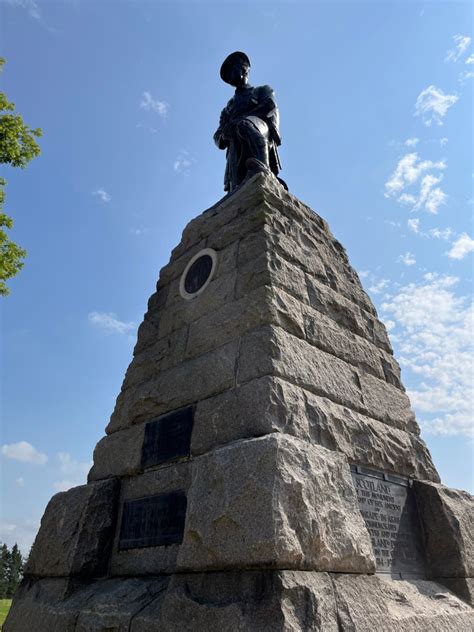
<point>248,601</point>
<point>262,463</point>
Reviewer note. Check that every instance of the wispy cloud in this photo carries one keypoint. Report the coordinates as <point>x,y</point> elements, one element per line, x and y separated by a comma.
<point>109,323</point>
<point>102,194</point>
<point>409,170</point>
<point>465,75</point>
<point>414,225</point>
<point>461,247</point>
<point>183,162</point>
<point>433,329</point>
<point>412,142</point>
<point>29,6</point>
<point>407,259</point>
<point>433,233</point>
<point>24,452</point>
<point>461,44</point>
<point>378,286</point>
<point>154,105</point>
<point>74,471</point>
<point>470,60</point>
<point>432,105</point>
<point>20,481</point>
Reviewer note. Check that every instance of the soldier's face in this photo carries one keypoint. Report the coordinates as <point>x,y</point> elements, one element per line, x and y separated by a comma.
<point>240,74</point>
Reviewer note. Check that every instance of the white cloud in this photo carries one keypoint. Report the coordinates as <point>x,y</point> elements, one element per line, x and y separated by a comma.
<point>465,76</point>
<point>461,44</point>
<point>378,286</point>
<point>414,225</point>
<point>412,142</point>
<point>102,193</point>
<point>429,197</point>
<point>407,259</point>
<point>438,233</point>
<point>461,247</point>
<point>29,5</point>
<point>20,481</point>
<point>74,471</point>
<point>432,105</point>
<point>110,323</point>
<point>22,534</point>
<point>443,141</point>
<point>407,173</point>
<point>434,334</point>
<point>183,162</point>
<point>24,452</point>
<point>470,60</point>
<point>154,105</point>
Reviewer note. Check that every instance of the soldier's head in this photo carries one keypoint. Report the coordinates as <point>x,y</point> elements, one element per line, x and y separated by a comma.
<point>235,69</point>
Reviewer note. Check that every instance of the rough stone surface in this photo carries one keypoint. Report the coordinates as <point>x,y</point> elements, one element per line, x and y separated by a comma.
<point>274,502</point>
<point>267,601</point>
<point>114,603</point>
<point>47,605</point>
<point>156,559</point>
<point>75,533</point>
<point>376,604</point>
<point>272,351</point>
<point>241,601</point>
<point>270,404</point>
<point>463,587</point>
<point>448,523</point>
<point>193,380</point>
<point>118,454</point>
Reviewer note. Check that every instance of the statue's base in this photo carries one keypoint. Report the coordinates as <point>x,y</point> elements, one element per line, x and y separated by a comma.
<point>250,601</point>
<point>262,460</point>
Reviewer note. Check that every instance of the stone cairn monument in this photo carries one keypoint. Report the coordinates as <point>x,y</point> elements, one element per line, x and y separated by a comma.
<point>262,469</point>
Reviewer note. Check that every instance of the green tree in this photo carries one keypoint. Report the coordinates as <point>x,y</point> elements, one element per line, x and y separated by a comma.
<point>4,569</point>
<point>17,147</point>
<point>15,571</point>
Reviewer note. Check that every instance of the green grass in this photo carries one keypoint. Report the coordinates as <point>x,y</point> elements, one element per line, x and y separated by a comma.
<point>4,608</point>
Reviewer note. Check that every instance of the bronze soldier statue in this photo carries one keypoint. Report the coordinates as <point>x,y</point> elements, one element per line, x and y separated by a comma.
<point>249,125</point>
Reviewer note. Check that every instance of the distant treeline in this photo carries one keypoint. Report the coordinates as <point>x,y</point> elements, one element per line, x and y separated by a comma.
<point>11,570</point>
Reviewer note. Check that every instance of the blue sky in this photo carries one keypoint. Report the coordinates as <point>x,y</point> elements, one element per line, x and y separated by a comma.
<point>376,102</point>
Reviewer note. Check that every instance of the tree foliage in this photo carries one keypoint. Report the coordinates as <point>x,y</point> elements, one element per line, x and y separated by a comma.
<point>17,147</point>
<point>11,570</point>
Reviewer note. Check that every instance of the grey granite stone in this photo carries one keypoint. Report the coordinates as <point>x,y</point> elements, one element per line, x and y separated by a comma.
<point>463,587</point>
<point>118,454</point>
<point>377,604</point>
<point>448,523</point>
<point>191,381</point>
<point>275,502</point>
<point>75,533</point>
<point>45,605</point>
<point>163,353</point>
<point>270,404</point>
<point>272,351</point>
<point>114,603</point>
<point>251,601</point>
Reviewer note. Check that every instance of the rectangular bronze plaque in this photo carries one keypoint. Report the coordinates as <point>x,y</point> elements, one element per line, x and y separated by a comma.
<point>168,437</point>
<point>153,521</point>
<point>387,504</point>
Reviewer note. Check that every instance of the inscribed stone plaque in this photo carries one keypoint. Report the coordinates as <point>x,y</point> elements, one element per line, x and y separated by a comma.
<point>168,438</point>
<point>388,506</point>
<point>153,521</point>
